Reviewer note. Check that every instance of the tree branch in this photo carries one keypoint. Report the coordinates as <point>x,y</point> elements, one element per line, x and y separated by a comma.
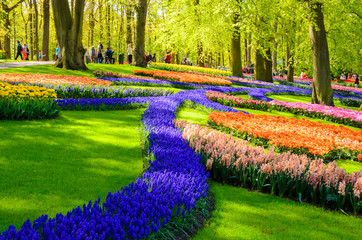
<point>15,5</point>
<point>356,14</point>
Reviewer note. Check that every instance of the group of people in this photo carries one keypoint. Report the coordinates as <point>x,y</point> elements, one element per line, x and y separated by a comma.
<point>354,77</point>
<point>99,55</point>
<point>22,52</point>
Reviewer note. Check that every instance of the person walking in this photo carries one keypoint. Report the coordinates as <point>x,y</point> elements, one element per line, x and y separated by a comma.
<point>26,50</point>
<point>99,52</point>
<point>57,53</point>
<point>19,50</point>
<point>281,73</point>
<point>154,57</point>
<point>92,53</point>
<point>129,53</point>
<point>167,57</point>
<point>356,80</point>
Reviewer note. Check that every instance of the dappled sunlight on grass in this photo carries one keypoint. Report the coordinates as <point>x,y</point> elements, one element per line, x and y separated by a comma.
<point>241,214</point>
<point>52,166</point>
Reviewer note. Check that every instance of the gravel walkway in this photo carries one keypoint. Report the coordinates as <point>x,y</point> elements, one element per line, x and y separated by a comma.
<point>22,64</point>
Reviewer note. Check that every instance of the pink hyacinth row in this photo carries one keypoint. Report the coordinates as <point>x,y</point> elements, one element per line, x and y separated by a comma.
<point>327,110</point>
<point>231,151</point>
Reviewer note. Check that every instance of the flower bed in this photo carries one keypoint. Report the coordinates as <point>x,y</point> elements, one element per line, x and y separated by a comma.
<point>177,68</point>
<point>52,79</point>
<point>183,77</point>
<point>20,102</point>
<point>290,134</point>
<point>233,161</point>
<point>333,114</point>
<point>103,74</point>
<point>171,186</point>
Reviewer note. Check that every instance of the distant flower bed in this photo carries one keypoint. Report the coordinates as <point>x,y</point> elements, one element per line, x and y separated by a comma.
<point>52,79</point>
<point>234,161</point>
<point>178,67</point>
<point>183,77</point>
<point>20,102</point>
<point>104,74</point>
<point>333,114</point>
<point>290,134</point>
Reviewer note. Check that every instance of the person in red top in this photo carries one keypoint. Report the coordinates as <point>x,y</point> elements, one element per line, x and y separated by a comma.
<point>167,58</point>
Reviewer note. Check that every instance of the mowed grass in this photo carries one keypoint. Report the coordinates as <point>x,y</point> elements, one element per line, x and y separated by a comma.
<point>52,166</point>
<point>49,69</point>
<point>242,214</point>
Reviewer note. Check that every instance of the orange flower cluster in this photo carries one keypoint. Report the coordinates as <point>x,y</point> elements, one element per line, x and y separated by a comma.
<point>52,79</point>
<point>291,132</point>
<point>184,77</point>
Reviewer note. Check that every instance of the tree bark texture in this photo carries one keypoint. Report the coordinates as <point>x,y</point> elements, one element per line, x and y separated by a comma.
<point>322,89</point>
<point>268,67</point>
<point>290,64</point>
<point>236,68</point>
<point>129,24</point>
<point>91,22</point>
<point>46,16</point>
<point>69,34</point>
<point>140,34</point>
<point>259,71</point>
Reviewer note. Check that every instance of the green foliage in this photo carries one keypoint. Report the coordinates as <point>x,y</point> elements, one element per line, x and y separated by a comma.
<point>27,109</point>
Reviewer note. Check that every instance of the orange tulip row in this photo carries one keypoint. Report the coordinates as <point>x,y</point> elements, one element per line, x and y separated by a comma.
<point>292,133</point>
<point>184,77</point>
<point>52,79</point>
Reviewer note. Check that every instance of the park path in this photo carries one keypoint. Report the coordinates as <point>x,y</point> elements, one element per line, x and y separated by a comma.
<point>23,64</point>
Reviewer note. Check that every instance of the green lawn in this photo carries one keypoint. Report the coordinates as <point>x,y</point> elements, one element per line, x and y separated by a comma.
<point>241,214</point>
<point>48,69</point>
<point>52,166</point>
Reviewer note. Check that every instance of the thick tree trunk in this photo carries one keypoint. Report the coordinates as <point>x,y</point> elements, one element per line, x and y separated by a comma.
<point>290,64</point>
<point>69,34</point>
<point>36,32</point>
<point>200,57</point>
<point>46,15</point>
<point>236,68</point>
<point>259,71</point>
<point>268,67</point>
<point>322,89</point>
<point>140,34</point>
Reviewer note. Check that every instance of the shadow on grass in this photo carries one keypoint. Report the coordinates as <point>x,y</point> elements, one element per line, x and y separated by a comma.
<point>240,214</point>
<point>52,166</point>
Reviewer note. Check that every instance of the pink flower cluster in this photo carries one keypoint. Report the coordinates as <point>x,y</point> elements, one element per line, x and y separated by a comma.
<point>231,151</point>
<point>326,110</point>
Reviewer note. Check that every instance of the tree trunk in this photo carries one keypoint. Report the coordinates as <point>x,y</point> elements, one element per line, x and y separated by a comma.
<point>259,66</point>
<point>36,32</point>
<point>322,89</point>
<point>249,51</point>
<point>108,23</point>
<point>200,58</point>
<point>100,4</point>
<point>268,67</point>
<point>45,48</point>
<point>31,30</point>
<point>290,64</point>
<point>91,22</point>
<point>69,34</point>
<point>129,24</point>
<point>236,68</point>
<point>140,34</point>
<point>246,51</point>
<point>275,53</point>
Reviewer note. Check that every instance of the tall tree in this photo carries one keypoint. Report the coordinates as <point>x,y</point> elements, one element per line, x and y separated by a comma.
<point>7,9</point>
<point>36,30</point>
<point>322,88</point>
<point>69,34</point>
<point>139,50</point>
<point>31,30</point>
<point>46,18</point>
<point>91,21</point>
<point>236,67</point>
